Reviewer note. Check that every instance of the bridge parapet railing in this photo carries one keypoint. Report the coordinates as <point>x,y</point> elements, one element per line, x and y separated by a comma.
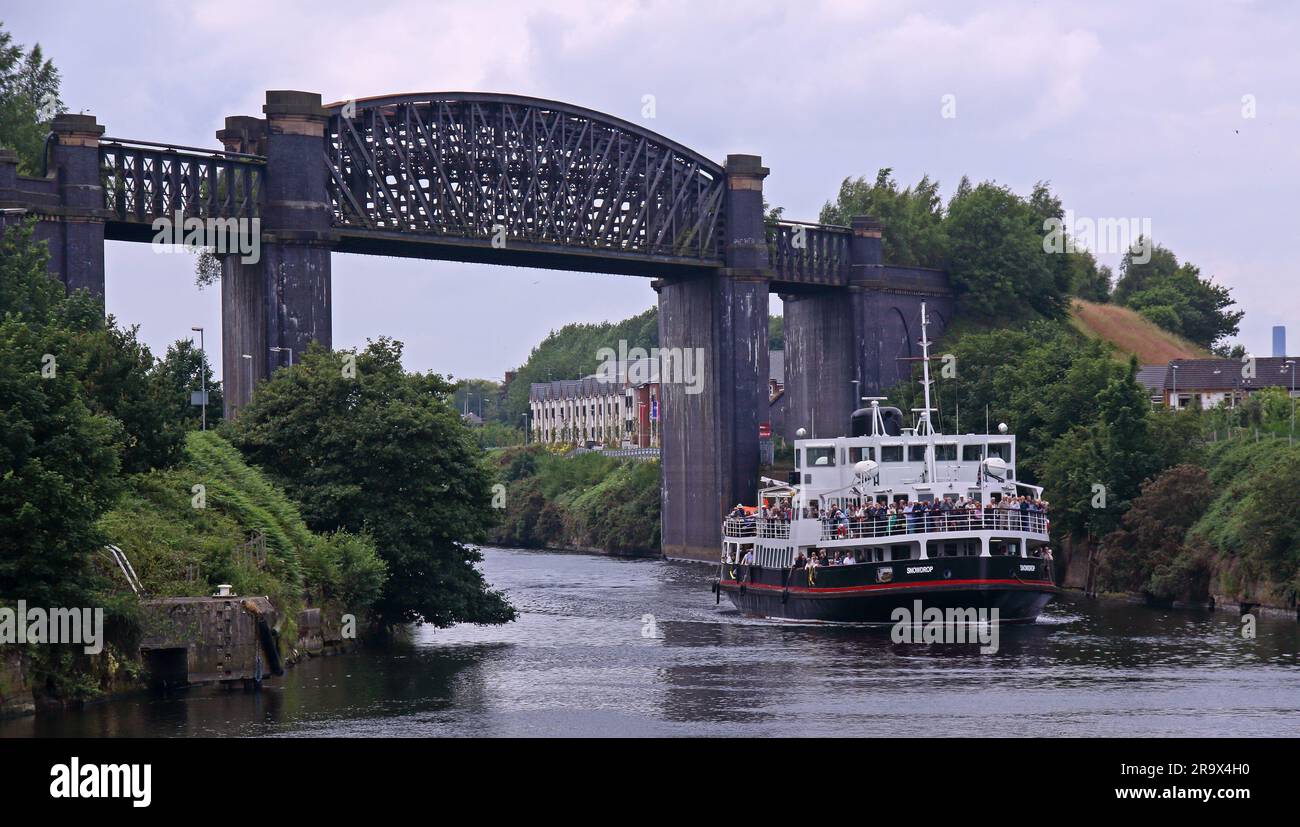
<point>143,181</point>
<point>809,253</point>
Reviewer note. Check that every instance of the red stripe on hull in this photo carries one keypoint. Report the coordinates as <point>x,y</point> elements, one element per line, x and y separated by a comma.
<point>1039,585</point>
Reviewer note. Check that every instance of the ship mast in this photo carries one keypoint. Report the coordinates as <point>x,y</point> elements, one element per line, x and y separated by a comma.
<point>924,426</point>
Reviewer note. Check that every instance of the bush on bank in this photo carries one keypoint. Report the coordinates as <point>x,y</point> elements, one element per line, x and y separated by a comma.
<point>184,542</point>
<point>585,501</point>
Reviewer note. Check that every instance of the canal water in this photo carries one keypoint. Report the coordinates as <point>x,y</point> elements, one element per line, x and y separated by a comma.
<point>606,647</point>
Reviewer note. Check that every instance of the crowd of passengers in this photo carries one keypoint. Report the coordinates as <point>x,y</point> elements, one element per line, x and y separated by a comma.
<point>847,557</point>
<point>905,516</point>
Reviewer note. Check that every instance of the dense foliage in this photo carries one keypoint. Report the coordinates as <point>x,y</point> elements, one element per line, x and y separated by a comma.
<point>183,546</point>
<point>988,238</point>
<point>364,446</point>
<point>1150,553</point>
<point>912,217</point>
<point>29,99</point>
<point>583,501</point>
<point>1175,297</point>
<point>1079,416</point>
<point>60,453</point>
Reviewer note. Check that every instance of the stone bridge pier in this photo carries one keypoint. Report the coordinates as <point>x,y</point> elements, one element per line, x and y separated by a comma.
<point>281,299</point>
<point>846,342</point>
<point>709,447</point>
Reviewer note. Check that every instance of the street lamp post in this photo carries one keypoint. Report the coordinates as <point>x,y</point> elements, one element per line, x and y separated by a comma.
<point>1174,399</point>
<point>203,380</point>
<point>1291,363</point>
<point>288,350</point>
<point>250,374</point>
<point>524,417</point>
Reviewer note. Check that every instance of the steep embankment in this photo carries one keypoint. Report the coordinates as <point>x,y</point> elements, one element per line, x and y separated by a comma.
<point>186,529</point>
<point>1131,333</point>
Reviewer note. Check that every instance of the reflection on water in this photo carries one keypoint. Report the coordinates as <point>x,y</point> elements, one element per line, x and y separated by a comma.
<point>577,663</point>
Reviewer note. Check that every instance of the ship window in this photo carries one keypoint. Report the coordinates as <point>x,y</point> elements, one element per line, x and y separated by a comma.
<point>821,456</point>
<point>972,453</point>
<point>1001,450</point>
<point>900,552</point>
<point>798,452</point>
<point>859,454</point>
<point>973,495</point>
<point>891,453</point>
<point>807,479</point>
<point>945,452</point>
<point>916,453</point>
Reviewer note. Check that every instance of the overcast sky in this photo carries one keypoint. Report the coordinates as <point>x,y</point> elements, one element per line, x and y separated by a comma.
<point>1130,110</point>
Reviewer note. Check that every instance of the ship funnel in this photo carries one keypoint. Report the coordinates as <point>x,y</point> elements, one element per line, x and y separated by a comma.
<point>891,418</point>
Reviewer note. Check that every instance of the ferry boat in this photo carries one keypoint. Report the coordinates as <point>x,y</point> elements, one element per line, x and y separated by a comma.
<point>978,553</point>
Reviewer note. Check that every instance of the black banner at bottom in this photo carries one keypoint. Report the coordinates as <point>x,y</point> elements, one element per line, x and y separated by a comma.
<point>233,776</point>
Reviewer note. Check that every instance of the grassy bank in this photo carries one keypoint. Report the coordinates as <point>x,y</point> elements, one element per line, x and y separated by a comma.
<point>214,519</point>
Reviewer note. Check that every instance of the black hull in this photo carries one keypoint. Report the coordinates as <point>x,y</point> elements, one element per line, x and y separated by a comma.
<point>1018,588</point>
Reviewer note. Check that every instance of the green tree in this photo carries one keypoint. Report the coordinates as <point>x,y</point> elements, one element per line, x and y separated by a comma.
<point>59,459</point>
<point>181,372</point>
<point>114,368</point>
<point>912,218</point>
<point>29,99</point>
<point>1175,297</point>
<point>1149,553</point>
<point>996,260</point>
<point>1096,468</point>
<point>381,451</point>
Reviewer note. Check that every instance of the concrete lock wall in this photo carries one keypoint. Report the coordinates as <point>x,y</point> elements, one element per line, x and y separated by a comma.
<point>204,639</point>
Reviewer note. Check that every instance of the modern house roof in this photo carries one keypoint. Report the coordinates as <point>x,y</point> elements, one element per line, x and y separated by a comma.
<point>1230,374</point>
<point>1152,377</point>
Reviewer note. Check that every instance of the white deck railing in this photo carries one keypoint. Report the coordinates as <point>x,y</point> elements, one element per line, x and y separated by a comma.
<point>760,527</point>
<point>989,519</point>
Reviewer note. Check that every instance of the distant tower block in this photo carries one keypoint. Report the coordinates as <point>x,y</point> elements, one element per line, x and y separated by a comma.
<point>1279,340</point>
